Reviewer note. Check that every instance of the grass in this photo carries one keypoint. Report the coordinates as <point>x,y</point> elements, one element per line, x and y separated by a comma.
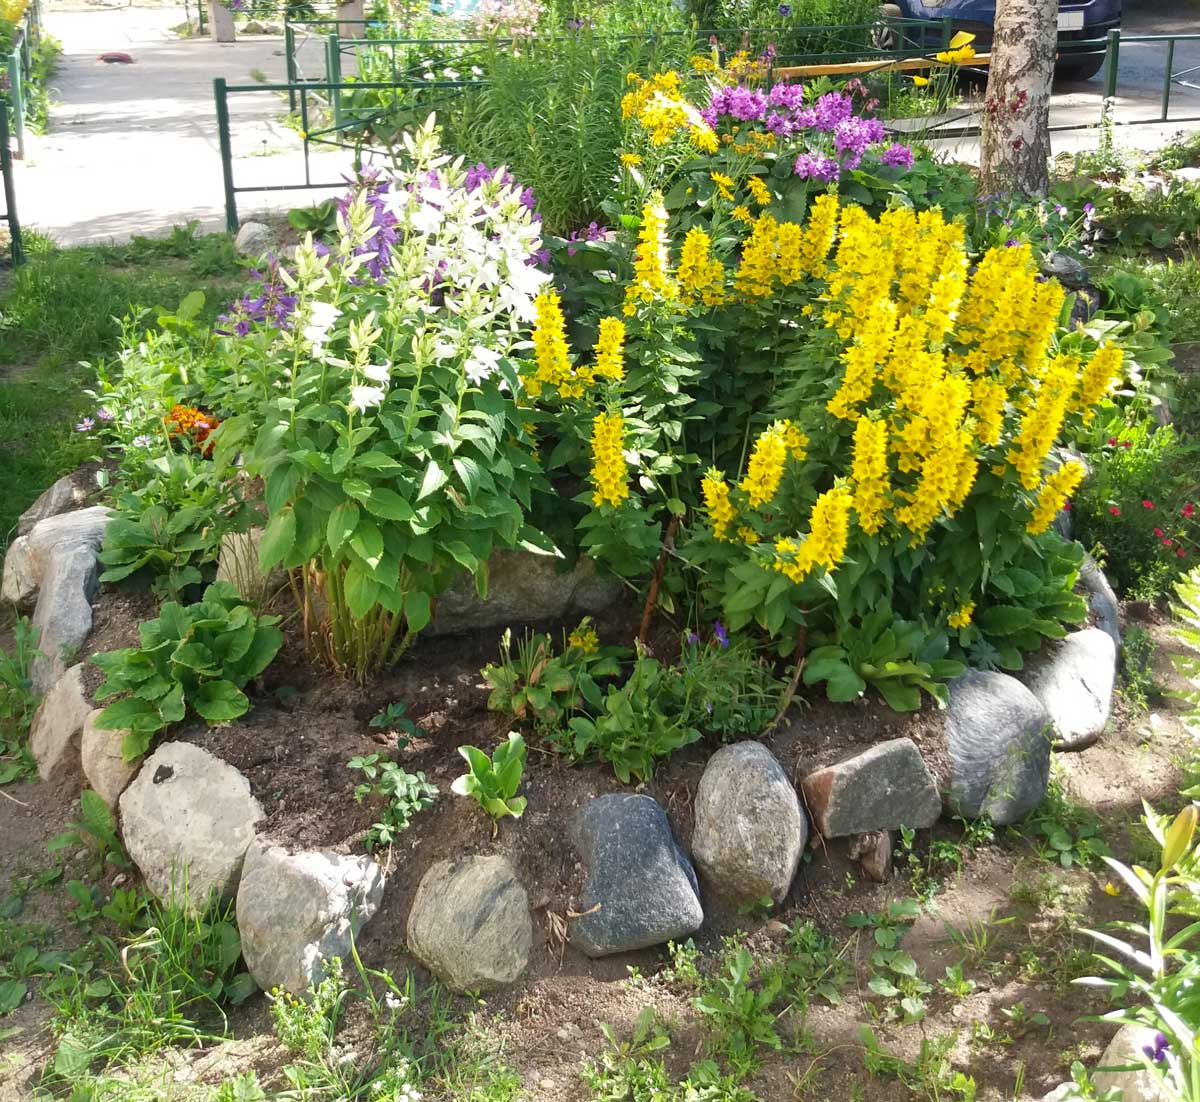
<point>63,308</point>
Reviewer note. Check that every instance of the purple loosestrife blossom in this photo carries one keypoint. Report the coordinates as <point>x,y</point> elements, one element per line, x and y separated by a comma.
<point>814,166</point>
<point>897,156</point>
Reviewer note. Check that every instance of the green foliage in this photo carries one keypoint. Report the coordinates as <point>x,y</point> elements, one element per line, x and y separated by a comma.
<point>930,1077</point>
<point>632,730</point>
<point>728,688</point>
<point>815,967</point>
<point>17,703</point>
<point>493,782</point>
<point>192,657</point>
<point>1138,215</point>
<point>629,1071</point>
<point>403,793</point>
<point>96,831</point>
<point>172,544</point>
<point>547,688</point>
<point>394,719</point>
<point>1187,611</point>
<point>320,219</point>
<point>1064,832</point>
<point>1138,684</point>
<point>737,1009</point>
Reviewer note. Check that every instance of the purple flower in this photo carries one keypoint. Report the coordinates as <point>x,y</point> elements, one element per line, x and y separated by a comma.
<point>897,156</point>
<point>785,10</point>
<point>852,135</point>
<point>104,414</point>
<point>830,109</point>
<point>813,166</point>
<point>86,425</point>
<point>1157,1049</point>
<point>692,638</point>
<point>721,634</point>
<point>1011,243</point>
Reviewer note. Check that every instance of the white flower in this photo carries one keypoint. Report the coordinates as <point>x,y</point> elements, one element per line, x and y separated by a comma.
<point>427,219</point>
<point>476,71</point>
<point>363,398</point>
<point>377,373</point>
<point>450,74</point>
<point>481,364</point>
<point>322,315</point>
<point>427,76</point>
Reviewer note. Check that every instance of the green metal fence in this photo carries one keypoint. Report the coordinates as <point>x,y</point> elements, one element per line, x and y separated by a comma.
<point>9,217</point>
<point>1171,76</point>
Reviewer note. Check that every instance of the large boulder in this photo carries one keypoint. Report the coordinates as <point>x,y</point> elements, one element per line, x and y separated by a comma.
<point>640,888</point>
<point>57,725</point>
<point>295,910</point>
<point>28,558</point>
<point>1127,1047</point>
<point>107,773</point>
<point>998,736</point>
<point>69,492</point>
<point>750,830</point>
<point>883,788</point>
<point>1075,682</point>
<point>1101,599</point>
<point>187,820</point>
<point>523,588</point>
<point>470,923</point>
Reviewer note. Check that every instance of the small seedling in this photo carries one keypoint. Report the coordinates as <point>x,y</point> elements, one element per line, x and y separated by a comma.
<point>493,782</point>
<point>955,984</point>
<point>394,719</point>
<point>405,794</point>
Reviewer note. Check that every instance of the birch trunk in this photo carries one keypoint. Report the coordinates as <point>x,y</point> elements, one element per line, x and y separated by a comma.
<point>1015,146</point>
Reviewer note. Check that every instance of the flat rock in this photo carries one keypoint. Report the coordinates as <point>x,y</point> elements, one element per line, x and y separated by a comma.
<point>524,588</point>
<point>63,616</point>
<point>883,788</point>
<point>295,910</point>
<point>750,830</point>
<point>107,774</point>
<point>188,818</point>
<point>1068,270</point>
<point>641,889</point>
<point>253,239</point>
<point>69,492</point>
<point>998,735</point>
<point>1101,599</point>
<point>470,923</point>
<point>1141,1085</point>
<point>54,734</point>
<point>1075,685</point>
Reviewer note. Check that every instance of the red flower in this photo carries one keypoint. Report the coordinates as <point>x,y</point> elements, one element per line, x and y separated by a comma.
<point>1125,443</point>
<point>1112,441</point>
<point>1158,532</point>
<point>1188,510</point>
<point>1168,543</point>
<point>1114,510</point>
<point>1067,506</point>
<point>1180,552</point>
<point>1147,504</point>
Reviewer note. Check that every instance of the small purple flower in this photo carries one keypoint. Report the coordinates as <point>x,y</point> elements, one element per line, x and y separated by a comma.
<point>104,414</point>
<point>785,10</point>
<point>1157,1049</point>
<point>897,156</point>
<point>812,166</point>
<point>692,638</point>
<point>1011,243</point>
<point>143,441</point>
<point>86,425</point>
<point>721,634</point>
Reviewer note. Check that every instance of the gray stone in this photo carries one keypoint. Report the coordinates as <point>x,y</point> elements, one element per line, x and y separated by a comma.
<point>524,588</point>
<point>296,910</point>
<point>22,575</point>
<point>187,820</point>
<point>69,492</point>
<point>1074,682</point>
<point>883,788</point>
<point>1064,1092</point>
<point>57,726</point>
<point>238,565</point>
<point>873,852</point>
<point>470,923</point>
<point>107,773</point>
<point>640,888</point>
<point>63,615</point>
<point>750,830</point>
<point>1140,1085</point>
<point>253,239</point>
<point>1068,270</point>
<point>1101,599</point>
<point>998,736</point>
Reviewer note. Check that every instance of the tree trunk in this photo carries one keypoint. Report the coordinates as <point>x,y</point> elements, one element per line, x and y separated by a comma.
<point>1015,146</point>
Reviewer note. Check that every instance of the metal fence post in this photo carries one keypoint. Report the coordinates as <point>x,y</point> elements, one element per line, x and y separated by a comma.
<point>16,87</point>
<point>289,58</point>
<point>1166,96</point>
<point>333,75</point>
<point>220,95</point>
<point>16,248</point>
<point>1112,58</point>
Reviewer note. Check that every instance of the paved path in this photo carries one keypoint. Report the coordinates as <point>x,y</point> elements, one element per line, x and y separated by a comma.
<point>133,148</point>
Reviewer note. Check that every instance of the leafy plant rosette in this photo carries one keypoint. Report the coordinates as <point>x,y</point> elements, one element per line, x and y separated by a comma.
<point>196,657</point>
<point>383,413</point>
<point>493,782</point>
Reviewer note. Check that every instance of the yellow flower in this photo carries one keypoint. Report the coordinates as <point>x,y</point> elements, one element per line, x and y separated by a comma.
<point>716,500</point>
<point>756,272</point>
<point>1042,421</point>
<point>920,81</point>
<point>701,276</point>
<point>742,213</point>
<point>988,398</point>
<point>795,441</point>
<point>829,530</point>
<point>549,345</point>
<point>961,616</point>
<point>609,472</point>
<point>1111,889</point>
<point>765,468</point>
<point>724,185</point>
<point>704,139</point>
<point>610,349</point>
<point>584,639</point>
<point>747,535</point>
<point>1095,380</point>
<point>869,473</point>
<point>652,279</point>
<point>759,191</point>
<point>1054,491</point>
<point>630,160</point>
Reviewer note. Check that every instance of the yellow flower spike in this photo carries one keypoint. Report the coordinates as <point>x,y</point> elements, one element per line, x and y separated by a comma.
<point>549,344</point>
<point>610,474</point>
<point>610,349</point>
<point>961,616</point>
<point>869,473</point>
<point>765,468</point>
<point>716,500</point>
<point>1095,380</point>
<point>651,260</point>
<point>700,275</point>
<point>584,638</point>
<point>1053,493</point>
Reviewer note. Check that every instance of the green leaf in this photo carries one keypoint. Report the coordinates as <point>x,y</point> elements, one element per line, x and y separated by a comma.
<point>388,504</point>
<point>1004,619</point>
<point>220,702</point>
<point>417,610</point>
<point>435,478</point>
<point>12,992</point>
<point>342,522</point>
<point>277,539</point>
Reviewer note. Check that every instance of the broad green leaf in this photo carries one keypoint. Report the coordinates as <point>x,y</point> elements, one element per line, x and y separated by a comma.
<point>220,702</point>
<point>277,538</point>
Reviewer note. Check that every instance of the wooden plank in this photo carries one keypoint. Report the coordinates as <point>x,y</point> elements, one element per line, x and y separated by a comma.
<point>850,68</point>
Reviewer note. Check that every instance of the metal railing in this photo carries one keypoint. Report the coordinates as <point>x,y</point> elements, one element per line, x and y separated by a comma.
<point>16,249</point>
<point>1112,62</point>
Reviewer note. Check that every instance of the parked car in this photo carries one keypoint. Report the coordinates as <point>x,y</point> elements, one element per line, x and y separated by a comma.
<point>1082,27</point>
